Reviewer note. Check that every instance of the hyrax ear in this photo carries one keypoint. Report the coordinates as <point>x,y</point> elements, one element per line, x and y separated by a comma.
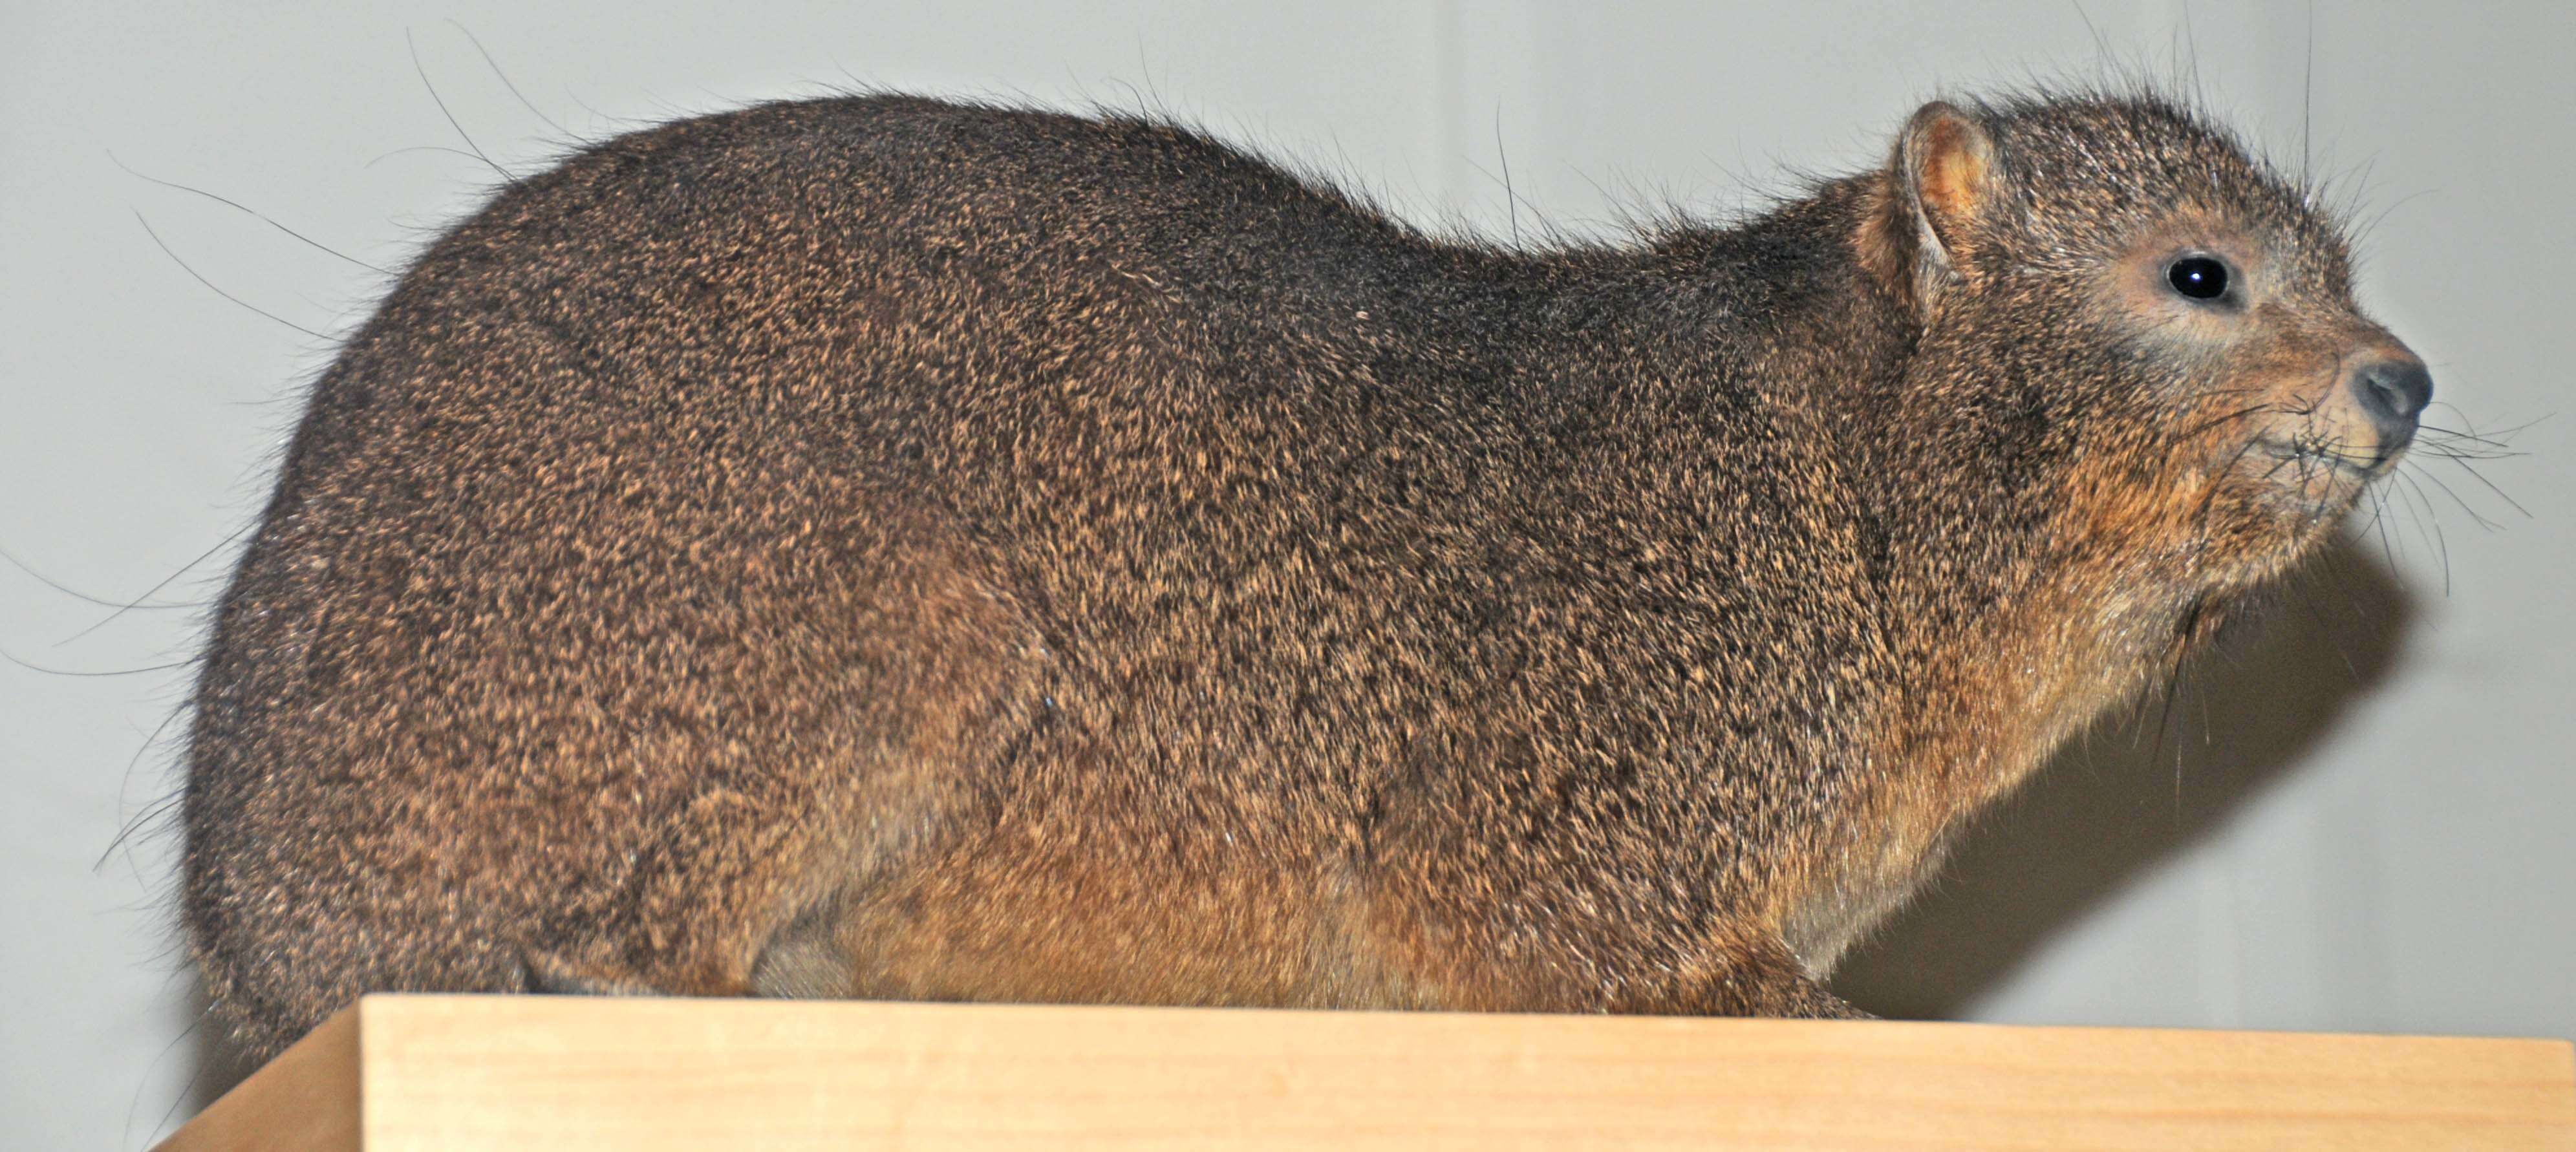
<point>1942,182</point>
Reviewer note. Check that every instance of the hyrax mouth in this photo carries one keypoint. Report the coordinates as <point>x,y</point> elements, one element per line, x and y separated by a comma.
<point>2312,456</point>
<point>2309,478</point>
<point>2354,433</point>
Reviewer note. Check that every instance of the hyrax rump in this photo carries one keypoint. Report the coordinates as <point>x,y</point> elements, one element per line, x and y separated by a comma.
<point>886,548</point>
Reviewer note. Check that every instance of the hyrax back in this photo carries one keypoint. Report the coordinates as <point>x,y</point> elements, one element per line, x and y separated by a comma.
<point>880,547</point>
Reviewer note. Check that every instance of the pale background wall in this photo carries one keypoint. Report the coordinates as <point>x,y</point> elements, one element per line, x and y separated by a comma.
<point>2359,822</point>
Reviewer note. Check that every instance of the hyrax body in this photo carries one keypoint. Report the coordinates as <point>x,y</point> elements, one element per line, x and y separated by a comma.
<point>878,547</point>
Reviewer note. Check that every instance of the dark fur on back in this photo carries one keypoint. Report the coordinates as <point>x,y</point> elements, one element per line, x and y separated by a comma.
<point>882,547</point>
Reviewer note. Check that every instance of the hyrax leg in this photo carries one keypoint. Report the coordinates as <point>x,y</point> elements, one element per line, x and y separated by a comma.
<point>679,781</point>
<point>1757,982</point>
<point>722,877</point>
<point>741,894</point>
<point>1498,876</point>
<point>1729,981</point>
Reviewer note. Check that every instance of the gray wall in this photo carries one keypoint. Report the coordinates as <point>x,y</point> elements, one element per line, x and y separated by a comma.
<point>2357,822</point>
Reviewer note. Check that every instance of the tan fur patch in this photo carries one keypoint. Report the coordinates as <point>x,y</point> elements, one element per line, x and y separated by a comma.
<point>1955,165</point>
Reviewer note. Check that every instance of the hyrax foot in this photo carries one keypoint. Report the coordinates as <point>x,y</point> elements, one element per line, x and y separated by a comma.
<point>1762,984</point>
<point>560,975</point>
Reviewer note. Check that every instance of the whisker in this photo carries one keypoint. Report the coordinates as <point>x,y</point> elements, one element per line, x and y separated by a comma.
<point>504,77</point>
<point>255,213</point>
<point>2451,451</point>
<point>2498,435</point>
<point>11,657</point>
<point>2215,421</point>
<point>423,148</point>
<point>200,278</point>
<point>2481,478</point>
<point>2429,528</point>
<point>2379,520</point>
<point>2452,436</point>
<point>85,597</point>
<point>2413,474</point>
<point>150,811</point>
<point>434,97</point>
<point>164,582</point>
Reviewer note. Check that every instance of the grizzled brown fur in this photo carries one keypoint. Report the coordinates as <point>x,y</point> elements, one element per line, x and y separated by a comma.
<point>880,547</point>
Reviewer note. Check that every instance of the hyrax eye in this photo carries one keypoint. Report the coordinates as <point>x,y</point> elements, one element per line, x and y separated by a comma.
<point>2198,277</point>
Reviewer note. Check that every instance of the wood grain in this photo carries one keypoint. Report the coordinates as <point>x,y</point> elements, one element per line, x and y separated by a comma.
<point>569,1073</point>
<point>306,1098</point>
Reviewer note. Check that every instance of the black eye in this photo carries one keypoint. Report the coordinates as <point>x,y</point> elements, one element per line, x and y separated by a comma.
<point>2199,277</point>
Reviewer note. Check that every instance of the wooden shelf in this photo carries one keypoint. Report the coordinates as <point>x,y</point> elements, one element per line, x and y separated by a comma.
<point>470,1072</point>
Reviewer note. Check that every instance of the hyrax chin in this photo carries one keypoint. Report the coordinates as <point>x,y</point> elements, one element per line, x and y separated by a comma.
<point>891,548</point>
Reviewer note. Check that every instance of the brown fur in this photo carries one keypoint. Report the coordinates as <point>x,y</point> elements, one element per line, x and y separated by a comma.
<point>879,547</point>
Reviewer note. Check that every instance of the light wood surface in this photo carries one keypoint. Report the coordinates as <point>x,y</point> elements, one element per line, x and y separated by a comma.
<point>306,1098</point>
<point>461,1072</point>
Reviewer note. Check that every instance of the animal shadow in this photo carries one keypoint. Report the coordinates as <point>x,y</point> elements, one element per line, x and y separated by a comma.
<point>2136,792</point>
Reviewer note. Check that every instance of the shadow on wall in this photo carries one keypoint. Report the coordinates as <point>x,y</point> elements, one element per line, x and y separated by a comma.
<point>2108,807</point>
<point>217,1066</point>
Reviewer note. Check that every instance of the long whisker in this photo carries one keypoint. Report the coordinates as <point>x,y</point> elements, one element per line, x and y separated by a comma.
<point>2450,434</point>
<point>166,250</point>
<point>2481,478</point>
<point>477,149</point>
<point>2413,474</point>
<point>2379,520</point>
<point>152,811</point>
<point>2429,528</point>
<point>149,668</point>
<point>2215,421</point>
<point>142,601</point>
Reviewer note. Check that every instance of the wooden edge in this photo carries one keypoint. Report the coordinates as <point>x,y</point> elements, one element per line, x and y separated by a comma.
<point>446,1072</point>
<point>305,1100</point>
<point>676,1074</point>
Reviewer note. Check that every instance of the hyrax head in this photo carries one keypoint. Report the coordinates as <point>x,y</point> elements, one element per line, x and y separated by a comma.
<point>2133,315</point>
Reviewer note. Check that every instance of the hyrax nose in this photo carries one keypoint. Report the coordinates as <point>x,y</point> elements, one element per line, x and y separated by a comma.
<point>2393,390</point>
